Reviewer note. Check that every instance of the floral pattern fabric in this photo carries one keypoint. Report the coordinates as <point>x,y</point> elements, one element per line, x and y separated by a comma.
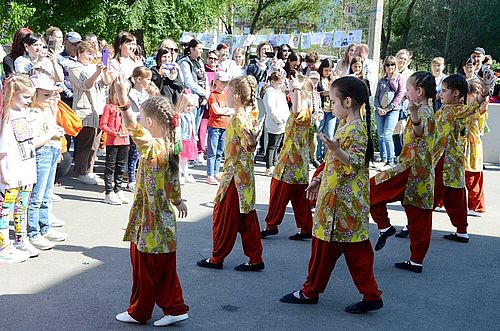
<point>293,161</point>
<point>473,145</point>
<point>343,205</point>
<point>239,162</point>
<point>152,222</point>
<point>450,124</point>
<point>416,155</point>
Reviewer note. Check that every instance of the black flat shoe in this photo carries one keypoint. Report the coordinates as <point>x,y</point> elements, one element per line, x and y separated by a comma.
<point>208,264</point>
<point>454,237</point>
<point>406,265</point>
<point>250,267</point>
<point>364,306</point>
<point>383,237</point>
<point>403,234</point>
<point>290,298</point>
<point>300,236</point>
<point>266,232</point>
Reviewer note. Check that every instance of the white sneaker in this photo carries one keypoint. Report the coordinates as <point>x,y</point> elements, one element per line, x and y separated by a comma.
<point>474,213</point>
<point>10,255</point>
<point>440,209</point>
<point>112,199</point>
<point>125,317</point>
<point>182,180</point>
<point>55,222</point>
<point>54,235</point>
<point>122,197</point>
<point>55,198</point>
<point>169,319</point>
<point>86,179</point>
<point>190,179</point>
<point>131,187</point>
<point>25,245</point>
<point>42,243</point>
<point>94,176</point>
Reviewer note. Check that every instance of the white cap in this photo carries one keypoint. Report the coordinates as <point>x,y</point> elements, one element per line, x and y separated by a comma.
<point>222,76</point>
<point>186,39</point>
<point>44,82</point>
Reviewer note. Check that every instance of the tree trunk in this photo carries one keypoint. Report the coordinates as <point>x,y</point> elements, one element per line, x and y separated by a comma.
<point>260,7</point>
<point>406,33</point>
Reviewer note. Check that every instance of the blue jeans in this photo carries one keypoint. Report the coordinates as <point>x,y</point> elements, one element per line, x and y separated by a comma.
<point>40,202</point>
<point>327,126</point>
<point>385,128</point>
<point>215,149</point>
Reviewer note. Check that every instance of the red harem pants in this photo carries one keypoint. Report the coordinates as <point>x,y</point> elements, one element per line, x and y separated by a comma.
<point>280,194</point>
<point>419,220</point>
<point>154,280</point>
<point>228,221</point>
<point>359,259</point>
<point>475,196</point>
<point>453,199</point>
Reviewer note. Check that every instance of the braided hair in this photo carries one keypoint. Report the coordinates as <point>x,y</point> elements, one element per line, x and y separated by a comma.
<point>427,82</point>
<point>359,93</point>
<point>457,82</point>
<point>246,88</point>
<point>161,110</point>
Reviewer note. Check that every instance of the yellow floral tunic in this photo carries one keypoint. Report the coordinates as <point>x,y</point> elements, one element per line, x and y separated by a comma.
<point>152,223</point>
<point>239,162</point>
<point>473,145</point>
<point>293,161</point>
<point>416,155</point>
<point>450,121</point>
<point>343,205</point>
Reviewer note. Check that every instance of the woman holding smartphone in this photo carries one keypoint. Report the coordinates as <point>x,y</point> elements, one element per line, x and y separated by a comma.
<point>166,76</point>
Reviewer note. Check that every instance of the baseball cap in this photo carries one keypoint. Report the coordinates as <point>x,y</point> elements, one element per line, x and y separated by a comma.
<point>44,82</point>
<point>479,50</point>
<point>222,76</point>
<point>73,37</point>
<point>186,39</point>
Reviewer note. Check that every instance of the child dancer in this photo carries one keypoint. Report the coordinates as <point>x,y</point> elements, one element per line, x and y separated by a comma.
<point>47,139</point>
<point>291,175</point>
<point>450,169</point>
<point>117,147</point>
<point>474,128</point>
<point>341,219</point>
<point>237,186</point>
<point>141,78</point>
<point>185,106</point>
<point>218,121</point>
<point>411,181</point>
<point>152,223</point>
<point>17,168</point>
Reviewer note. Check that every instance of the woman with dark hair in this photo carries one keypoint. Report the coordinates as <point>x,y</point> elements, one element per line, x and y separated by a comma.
<point>292,65</point>
<point>195,78</point>
<point>227,64</point>
<point>328,123</point>
<point>166,76</point>
<point>16,51</point>
<point>125,60</point>
<point>468,66</point>
<point>34,60</point>
<point>261,66</point>
<point>284,52</point>
<point>212,66</point>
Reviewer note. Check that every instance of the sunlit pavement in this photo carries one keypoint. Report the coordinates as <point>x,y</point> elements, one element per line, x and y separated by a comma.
<point>84,282</point>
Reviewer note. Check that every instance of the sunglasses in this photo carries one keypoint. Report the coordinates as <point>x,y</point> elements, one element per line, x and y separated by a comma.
<point>175,50</point>
<point>213,58</point>
<point>390,64</point>
<point>286,50</point>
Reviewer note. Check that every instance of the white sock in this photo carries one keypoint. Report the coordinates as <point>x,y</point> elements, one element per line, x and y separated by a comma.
<point>413,263</point>
<point>184,167</point>
<point>405,228</point>
<point>383,230</point>
<point>462,235</point>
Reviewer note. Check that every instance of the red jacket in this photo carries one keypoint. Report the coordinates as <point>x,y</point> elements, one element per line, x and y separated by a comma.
<point>111,122</point>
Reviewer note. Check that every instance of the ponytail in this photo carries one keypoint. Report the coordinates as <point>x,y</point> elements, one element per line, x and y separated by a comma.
<point>369,148</point>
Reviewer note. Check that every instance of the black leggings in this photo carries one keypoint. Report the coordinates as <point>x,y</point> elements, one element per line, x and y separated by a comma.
<point>273,146</point>
<point>63,166</point>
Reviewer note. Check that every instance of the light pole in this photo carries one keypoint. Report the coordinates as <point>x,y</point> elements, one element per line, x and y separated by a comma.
<point>375,30</point>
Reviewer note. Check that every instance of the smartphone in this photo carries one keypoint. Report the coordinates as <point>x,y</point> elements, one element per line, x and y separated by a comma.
<point>105,57</point>
<point>270,55</point>
<point>51,45</point>
<point>169,66</point>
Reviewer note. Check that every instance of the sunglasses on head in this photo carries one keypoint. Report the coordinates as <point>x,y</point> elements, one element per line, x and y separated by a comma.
<point>390,64</point>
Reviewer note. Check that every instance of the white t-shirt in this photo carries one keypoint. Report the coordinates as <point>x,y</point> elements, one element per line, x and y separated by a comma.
<point>277,111</point>
<point>16,144</point>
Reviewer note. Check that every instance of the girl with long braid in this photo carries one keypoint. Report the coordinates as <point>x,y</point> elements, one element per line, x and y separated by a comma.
<point>152,229</point>
<point>234,209</point>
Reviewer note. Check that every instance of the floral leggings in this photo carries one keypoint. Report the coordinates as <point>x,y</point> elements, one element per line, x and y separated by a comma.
<point>13,206</point>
